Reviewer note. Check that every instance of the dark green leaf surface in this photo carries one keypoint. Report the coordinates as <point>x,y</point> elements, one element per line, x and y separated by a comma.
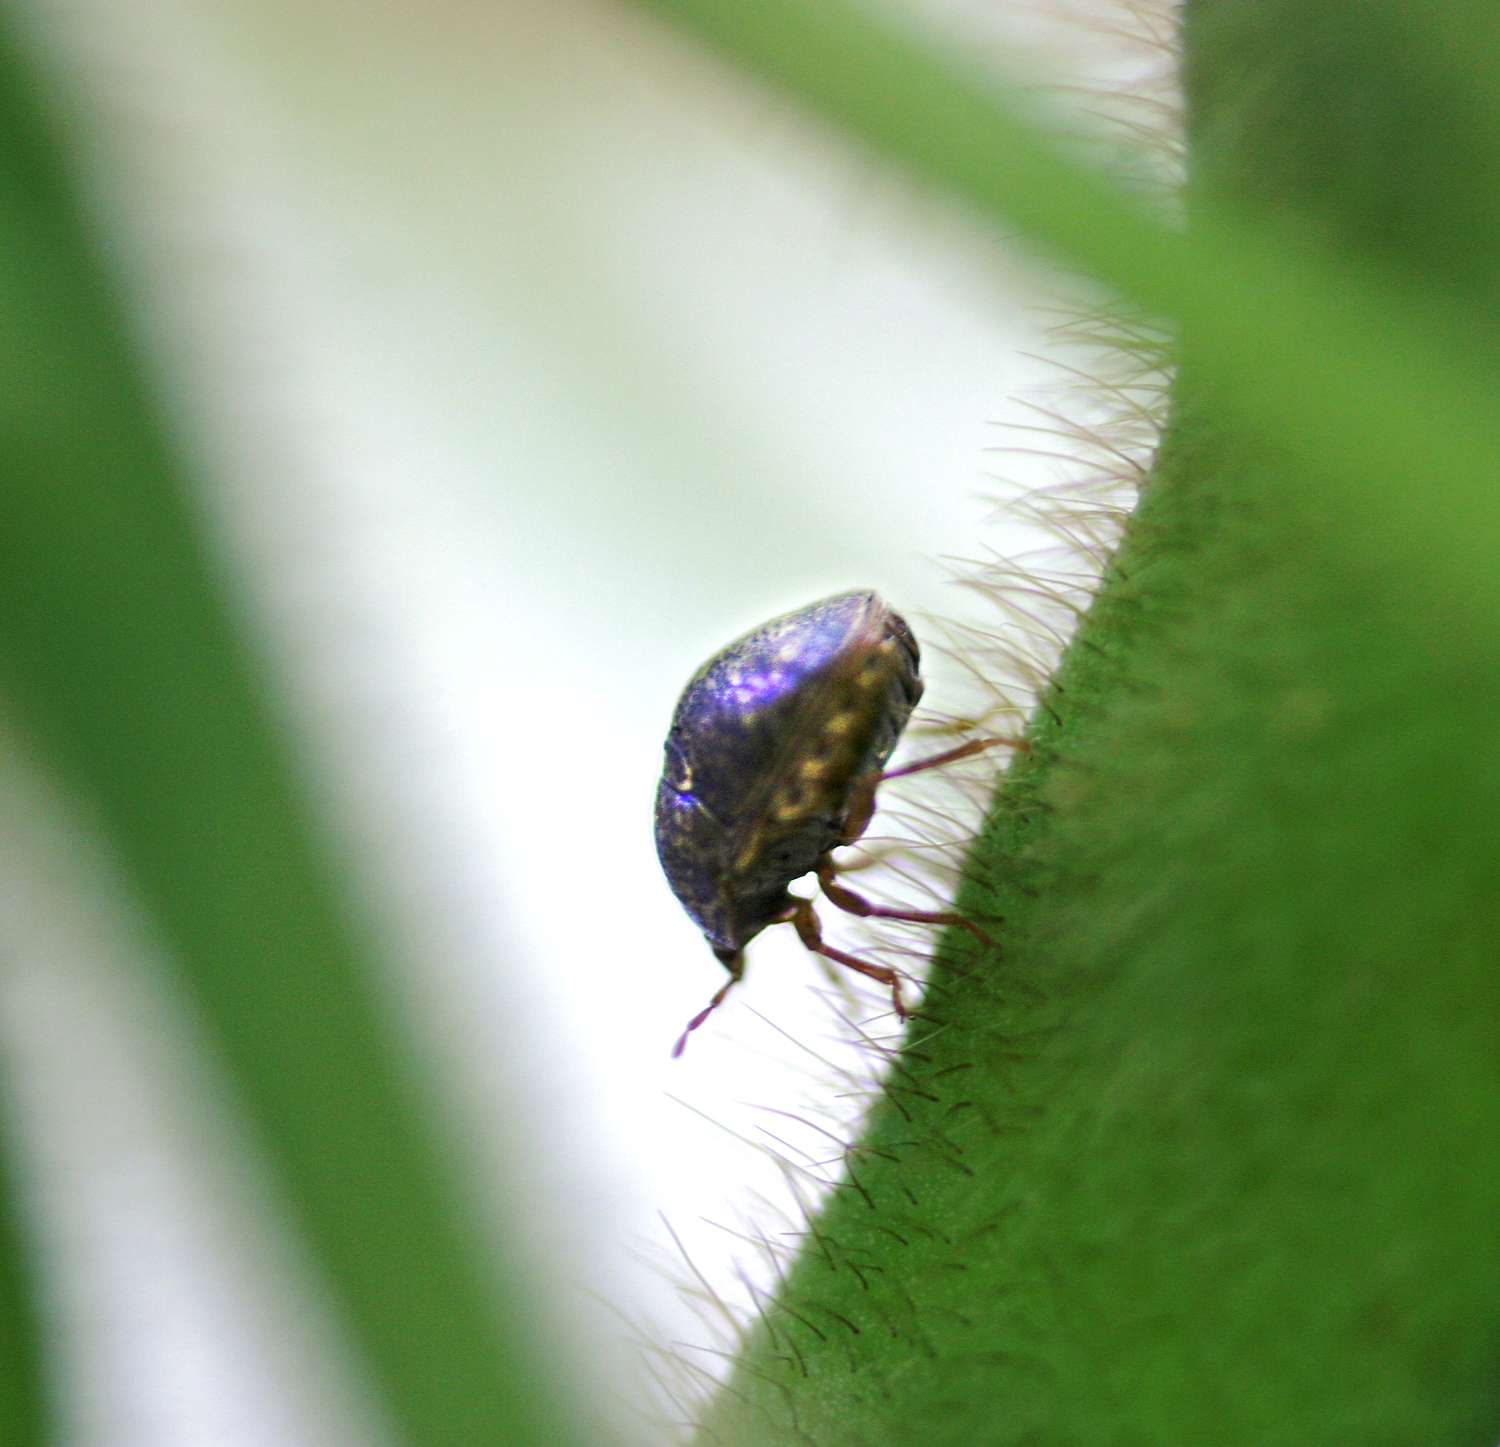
<point>121,658</point>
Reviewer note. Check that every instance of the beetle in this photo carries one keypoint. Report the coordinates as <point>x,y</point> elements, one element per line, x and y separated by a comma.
<point>775,752</point>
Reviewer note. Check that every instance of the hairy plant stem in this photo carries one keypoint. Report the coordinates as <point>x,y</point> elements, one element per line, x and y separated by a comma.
<point>1204,1153</point>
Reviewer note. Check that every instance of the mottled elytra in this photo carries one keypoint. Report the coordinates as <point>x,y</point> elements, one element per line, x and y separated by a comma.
<point>776,749</point>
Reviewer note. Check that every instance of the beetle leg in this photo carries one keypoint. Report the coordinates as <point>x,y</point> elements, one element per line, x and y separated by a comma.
<point>847,899</point>
<point>734,962</point>
<point>861,807</point>
<point>952,756</point>
<point>805,922</point>
<point>862,792</point>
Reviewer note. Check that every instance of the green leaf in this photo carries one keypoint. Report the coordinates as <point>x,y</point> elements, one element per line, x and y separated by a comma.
<point>126,665</point>
<point>1356,371</point>
<point>26,1415</point>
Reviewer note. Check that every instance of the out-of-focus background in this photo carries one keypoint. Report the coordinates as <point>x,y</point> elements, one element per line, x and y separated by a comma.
<point>528,357</point>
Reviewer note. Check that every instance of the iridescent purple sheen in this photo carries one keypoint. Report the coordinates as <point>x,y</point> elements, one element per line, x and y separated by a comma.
<point>768,742</point>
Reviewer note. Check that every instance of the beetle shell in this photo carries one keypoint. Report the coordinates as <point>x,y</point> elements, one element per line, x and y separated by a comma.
<point>767,745</point>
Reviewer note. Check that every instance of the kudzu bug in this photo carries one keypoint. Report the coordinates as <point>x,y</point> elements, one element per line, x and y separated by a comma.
<point>776,750</point>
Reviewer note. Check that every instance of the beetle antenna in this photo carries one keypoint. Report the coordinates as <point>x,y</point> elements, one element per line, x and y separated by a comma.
<point>698,1019</point>
<point>733,961</point>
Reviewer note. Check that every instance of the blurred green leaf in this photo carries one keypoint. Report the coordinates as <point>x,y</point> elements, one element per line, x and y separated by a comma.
<point>122,658</point>
<point>1357,371</point>
<point>26,1418</point>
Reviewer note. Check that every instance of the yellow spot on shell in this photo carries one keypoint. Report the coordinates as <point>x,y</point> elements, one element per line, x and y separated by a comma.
<point>814,768</point>
<point>867,678</point>
<point>840,723</point>
<point>788,652</point>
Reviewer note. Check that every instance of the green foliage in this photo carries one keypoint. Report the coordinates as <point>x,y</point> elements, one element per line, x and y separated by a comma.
<point>122,658</point>
<point>1409,395</point>
<point>26,1417</point>
<point>1205,1154</point>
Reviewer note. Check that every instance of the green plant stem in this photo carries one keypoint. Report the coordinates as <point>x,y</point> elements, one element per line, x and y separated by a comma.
<point>1206,1152</point>
<point>124,662</point>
